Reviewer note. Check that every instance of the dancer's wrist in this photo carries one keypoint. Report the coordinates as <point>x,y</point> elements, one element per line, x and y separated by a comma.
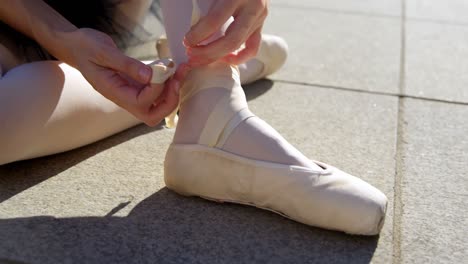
<point>64,45</point>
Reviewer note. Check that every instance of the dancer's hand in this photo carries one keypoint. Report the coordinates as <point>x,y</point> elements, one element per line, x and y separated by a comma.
<point>249,16</point>
<point>121,79</point>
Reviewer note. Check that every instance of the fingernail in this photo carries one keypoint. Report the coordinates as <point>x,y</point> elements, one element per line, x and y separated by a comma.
<point>145,74</point>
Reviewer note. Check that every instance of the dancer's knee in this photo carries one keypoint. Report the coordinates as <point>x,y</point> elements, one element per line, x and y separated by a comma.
<point>29,94</point>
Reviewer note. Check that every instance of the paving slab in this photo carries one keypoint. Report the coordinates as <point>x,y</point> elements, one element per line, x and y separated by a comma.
<point>341,128</point>
<point>106,203</point>
<point>452,11</point>
<point>436,64</point>
<point>92,180</point>
<point>434,223</point>
<point>381,7</point>
<point>350,51</point>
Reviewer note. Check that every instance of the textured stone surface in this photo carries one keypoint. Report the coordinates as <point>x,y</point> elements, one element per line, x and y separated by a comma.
<point>340,128</point>
<point>106,203</point>
<point>351,51</point>
<point>382,7</point>
<point>434,183</point>
<point>90,181</point>
<point>436,63</point>
<point>449,10</point>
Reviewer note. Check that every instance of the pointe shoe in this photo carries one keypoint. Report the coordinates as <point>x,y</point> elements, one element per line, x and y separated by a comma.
<point>326,198</point>
<point>162,47</point>
<point>163,69</point>
<point>272,55</point>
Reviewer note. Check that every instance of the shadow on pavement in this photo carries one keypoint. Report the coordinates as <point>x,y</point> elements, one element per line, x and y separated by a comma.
<point>257,88</point>
<point>165,227</point>
<point>18,176</point>
<point>168,228</point>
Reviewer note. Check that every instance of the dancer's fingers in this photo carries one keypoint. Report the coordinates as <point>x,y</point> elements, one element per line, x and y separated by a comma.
<point>135,69</point>
<point>114,87</point>
<point>125,96</point>
<point>227,46</point>
<point>252,46</point>
<point>211,23</point>
<point>149,94</point>
<point>162,98</point>
<point>235,36</point>
<point>182,72</point>
<point>165,104</point>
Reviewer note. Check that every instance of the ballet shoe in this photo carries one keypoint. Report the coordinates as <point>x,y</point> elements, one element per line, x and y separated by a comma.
<point>162,70</point>
<point>162,47</point>
<point>327,198</point>
<point>272,55</point>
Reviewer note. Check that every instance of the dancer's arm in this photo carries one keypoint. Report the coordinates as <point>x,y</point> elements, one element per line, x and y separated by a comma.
<point>249,16</point>
<point>119,78</point>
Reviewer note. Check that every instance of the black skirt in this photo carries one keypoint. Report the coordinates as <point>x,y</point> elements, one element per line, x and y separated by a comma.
<point>96,14</point>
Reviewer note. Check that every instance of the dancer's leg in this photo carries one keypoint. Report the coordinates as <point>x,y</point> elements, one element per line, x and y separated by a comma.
<point>222,163</point>
<point>48,107</point>
<point>253,138</point>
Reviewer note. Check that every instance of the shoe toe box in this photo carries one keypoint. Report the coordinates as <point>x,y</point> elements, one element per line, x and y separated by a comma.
<point>360,207</point>
<point>273,53</point>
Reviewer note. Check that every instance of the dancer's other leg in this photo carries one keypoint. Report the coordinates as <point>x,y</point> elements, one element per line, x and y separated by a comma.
<point>48,107</point>
<point>253,138</point>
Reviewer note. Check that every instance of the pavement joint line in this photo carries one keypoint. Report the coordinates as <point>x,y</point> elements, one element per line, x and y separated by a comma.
<point>337,11</point>
<point>371,14</point>
<point>402,76</point>
<point>325,86</point>
<point>397,185</point>
<point>437,21</point>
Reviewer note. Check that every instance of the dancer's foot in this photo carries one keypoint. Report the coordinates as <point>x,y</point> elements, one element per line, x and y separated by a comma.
<point>209,87</point>
<point>222,151</point>
<point>271,56</point>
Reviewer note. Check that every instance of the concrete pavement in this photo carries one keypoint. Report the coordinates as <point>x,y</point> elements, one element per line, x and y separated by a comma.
<point>377,88</point>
